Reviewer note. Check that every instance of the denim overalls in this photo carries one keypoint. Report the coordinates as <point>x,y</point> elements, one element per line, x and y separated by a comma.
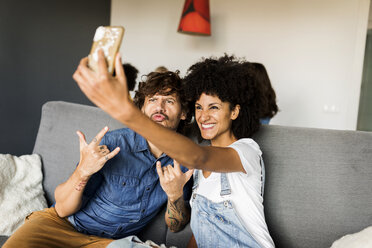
<point>217,224</point>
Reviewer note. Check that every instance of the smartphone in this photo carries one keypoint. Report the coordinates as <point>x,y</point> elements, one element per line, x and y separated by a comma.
<point>107,38</point>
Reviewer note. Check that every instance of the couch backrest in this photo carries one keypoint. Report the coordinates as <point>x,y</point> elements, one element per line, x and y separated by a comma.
<point>318,182</point>
<point>57,142</point>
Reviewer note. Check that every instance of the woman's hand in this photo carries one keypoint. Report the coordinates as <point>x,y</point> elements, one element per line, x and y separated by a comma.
<point>172,179</point>
<point>93,156</point>
<point>106,91</point>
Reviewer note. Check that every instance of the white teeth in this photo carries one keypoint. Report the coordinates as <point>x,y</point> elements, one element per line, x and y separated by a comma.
<point>208,125</point>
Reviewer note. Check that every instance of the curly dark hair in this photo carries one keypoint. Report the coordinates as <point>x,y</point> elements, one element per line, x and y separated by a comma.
<point>131,75</point>
<point>233,81</point>
<point>270,97</point>
<point>164,83</point>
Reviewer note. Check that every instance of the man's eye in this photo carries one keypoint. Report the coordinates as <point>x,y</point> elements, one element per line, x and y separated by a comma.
<point>170,101</point>
<point>152,100</point>
<point>213,107</point>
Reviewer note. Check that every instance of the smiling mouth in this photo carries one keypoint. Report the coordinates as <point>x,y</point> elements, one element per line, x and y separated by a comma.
<point>207,126</point>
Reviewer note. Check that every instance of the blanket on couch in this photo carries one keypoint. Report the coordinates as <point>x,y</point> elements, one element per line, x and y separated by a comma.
<point>21,190</point>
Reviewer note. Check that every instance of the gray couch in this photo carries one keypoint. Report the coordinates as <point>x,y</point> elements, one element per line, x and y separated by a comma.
<point>318,182</point>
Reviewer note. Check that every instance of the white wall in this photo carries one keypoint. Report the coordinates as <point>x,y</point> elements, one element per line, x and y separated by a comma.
<point>313,50</point>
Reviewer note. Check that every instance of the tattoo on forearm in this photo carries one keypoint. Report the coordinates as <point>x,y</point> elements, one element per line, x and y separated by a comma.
<point>178,214</point>
<point>81,185</point>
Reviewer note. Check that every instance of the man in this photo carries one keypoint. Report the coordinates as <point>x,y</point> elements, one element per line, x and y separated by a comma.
<point>115,190</point>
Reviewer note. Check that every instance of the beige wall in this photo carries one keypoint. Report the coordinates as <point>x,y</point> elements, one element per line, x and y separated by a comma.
<point>313,50</point>
<point>370,17</point>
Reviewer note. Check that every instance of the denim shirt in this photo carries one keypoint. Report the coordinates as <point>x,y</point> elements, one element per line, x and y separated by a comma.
<point>125,194</point>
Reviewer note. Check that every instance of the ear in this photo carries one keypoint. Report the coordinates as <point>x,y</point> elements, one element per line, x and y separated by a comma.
<point>183,115</point>
<point>235,112</point>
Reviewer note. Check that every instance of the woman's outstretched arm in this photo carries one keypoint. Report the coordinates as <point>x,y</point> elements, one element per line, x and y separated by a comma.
<point>111,94</point>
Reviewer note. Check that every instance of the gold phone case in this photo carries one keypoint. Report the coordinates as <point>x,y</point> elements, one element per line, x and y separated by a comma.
<point>107,38</point>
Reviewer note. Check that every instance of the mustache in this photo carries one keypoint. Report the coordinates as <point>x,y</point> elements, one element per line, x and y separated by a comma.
<point>160,113</point>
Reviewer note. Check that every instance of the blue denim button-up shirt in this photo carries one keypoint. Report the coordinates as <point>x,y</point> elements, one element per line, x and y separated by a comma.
<point>125,194</point>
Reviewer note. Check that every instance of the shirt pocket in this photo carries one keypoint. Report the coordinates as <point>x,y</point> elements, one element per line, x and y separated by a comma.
<point>122,190</point>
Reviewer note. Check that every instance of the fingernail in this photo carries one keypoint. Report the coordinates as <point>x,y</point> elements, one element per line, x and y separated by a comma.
<point>106,128</point>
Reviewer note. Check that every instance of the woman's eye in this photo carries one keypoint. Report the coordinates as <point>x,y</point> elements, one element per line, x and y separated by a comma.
<point>213,107</point>
<point>152,100</point>
<point>197,108</point>
<point>170,101</point>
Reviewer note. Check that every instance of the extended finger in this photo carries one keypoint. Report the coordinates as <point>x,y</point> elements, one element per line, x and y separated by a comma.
<point>99,136</point>
<point>188,174</point>
<point>111,154</point>
<point>82,140</point>
<point>102,64</point>
<point>159,170</point>
<point>177,167</point>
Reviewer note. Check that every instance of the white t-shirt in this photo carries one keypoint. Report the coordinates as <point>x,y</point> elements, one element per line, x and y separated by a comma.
<point>245,190</point>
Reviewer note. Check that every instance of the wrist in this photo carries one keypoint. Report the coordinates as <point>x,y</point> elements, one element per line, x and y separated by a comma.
<point>174,198</point>
<point>82,174</point>
<point>82,180</point>
<point>124,114</point>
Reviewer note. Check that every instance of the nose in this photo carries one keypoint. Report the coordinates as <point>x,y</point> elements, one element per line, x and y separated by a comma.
<point>203,116</point>
<point>160,106</point>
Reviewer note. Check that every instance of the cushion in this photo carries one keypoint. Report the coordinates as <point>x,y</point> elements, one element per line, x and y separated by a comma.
<point>21,190</point>
<point>362,239</point>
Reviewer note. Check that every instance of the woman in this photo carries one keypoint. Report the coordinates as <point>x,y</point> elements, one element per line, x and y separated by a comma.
<point>227,208</point>
<point>227,104</point>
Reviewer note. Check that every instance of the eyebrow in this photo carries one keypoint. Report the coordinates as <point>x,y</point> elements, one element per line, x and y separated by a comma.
<point>171,97</point>
<point>213,103</point>
<point>167,97</point>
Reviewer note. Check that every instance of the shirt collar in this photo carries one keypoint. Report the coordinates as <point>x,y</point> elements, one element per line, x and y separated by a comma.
<point>140,143</point>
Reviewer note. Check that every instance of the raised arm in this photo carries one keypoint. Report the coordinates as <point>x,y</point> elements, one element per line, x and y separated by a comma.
<point>93,157</point>
<point>111,94</point>
<point>173,180</point>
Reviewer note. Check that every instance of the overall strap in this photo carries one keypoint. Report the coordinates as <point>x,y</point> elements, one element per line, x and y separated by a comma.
<point>225,185</point>
<point>196,179</point>
<point>262,176</point>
